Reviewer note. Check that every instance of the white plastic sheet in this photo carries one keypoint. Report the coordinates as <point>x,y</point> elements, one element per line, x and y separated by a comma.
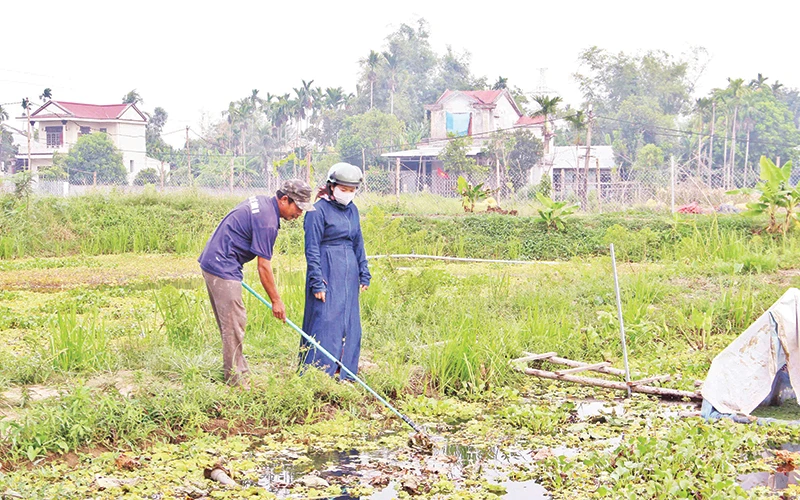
<point>741,376</point>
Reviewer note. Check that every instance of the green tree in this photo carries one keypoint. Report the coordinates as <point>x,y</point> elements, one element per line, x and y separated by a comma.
<point>454,156</point>
<point>649,157</point>
<point>768,126</point>
<point>500,84</point>
<point>146,176</point>
<point>95,153</point>
<point>46,94</point>
<point>156,147</point>
<point>525,154</point>
<point>454,74</point>
<point>132,97</point>
<point>372,61</point>
<point>548,107</point>
<point>393,73</point>
<point>636,96</point>
<point>374,132</point>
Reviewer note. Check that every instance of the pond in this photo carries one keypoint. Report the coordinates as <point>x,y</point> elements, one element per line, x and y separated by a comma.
<point>389,472</point>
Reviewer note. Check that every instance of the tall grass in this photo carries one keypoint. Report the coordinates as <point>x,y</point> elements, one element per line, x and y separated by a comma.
<point>78,344</point>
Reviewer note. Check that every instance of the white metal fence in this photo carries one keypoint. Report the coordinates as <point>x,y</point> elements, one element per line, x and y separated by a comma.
<point>411,191</point>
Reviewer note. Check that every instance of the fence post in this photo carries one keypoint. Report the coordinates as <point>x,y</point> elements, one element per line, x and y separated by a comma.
<point>397,178</point>
<point>230,188</point>
<point>672,183</point>
<point>364,168</point>
<point>94,178</point>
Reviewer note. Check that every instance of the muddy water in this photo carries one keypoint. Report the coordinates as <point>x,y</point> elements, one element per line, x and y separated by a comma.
<point>390,472</point>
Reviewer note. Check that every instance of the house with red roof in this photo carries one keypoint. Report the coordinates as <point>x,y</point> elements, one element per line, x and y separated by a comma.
<point>57,126</point>
<point>478,113</point>
<point>474,113</point>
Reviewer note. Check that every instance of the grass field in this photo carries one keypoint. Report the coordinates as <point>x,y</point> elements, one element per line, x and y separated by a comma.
<point>109,347</point>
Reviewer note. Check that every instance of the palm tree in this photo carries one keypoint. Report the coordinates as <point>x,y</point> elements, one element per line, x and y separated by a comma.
<point>334,98</point>
<point>548,106</point>
<point>758,82</point>
<point>578,123</point>
<point>281,112</point>
<point>702,105</point>
<point>736,89</point>
<point>304,101</point>
<point>373,60</point>
<point>3,114</point>
<point>392,62</point>
<point>46,95</point>
<point>749,115</point>
<point>501,83</point>
<point>132,97</point>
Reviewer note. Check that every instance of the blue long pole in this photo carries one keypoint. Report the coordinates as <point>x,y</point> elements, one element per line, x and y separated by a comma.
<point>321,349</point>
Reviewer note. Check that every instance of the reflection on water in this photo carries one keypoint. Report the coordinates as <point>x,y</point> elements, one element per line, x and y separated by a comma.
<point>387,471</point>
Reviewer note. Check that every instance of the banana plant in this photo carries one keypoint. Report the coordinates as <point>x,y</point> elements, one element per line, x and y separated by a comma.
<point>470,195</point>
<point>775,192</point>
<point>554,212</point>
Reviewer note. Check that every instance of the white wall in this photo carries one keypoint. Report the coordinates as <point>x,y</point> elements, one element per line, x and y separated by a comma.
<point>504,116</point>
<point>130,139</point>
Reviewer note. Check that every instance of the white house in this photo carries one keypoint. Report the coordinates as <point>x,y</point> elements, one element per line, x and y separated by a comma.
<point>564,165</point>
<point>60,124</point>
<point>478,113</point>
<point>474,113</point>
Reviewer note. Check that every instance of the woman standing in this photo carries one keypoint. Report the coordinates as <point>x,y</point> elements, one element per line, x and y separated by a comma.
<point>336,273</point>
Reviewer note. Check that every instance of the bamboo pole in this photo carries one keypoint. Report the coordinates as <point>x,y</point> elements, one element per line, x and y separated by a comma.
<point>569,362</point>
<point>583,368</point>
<point>650,380</point>
<point>533,357</point>
<point>619,313</point>
<point>611,384</point>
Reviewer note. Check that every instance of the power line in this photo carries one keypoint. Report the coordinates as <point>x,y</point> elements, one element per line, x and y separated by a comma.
<point>691,132</point>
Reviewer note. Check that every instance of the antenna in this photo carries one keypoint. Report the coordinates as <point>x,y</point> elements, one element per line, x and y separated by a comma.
<point>541,87</point>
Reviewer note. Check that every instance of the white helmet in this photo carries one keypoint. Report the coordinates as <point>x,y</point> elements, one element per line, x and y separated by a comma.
<point>345,174</point>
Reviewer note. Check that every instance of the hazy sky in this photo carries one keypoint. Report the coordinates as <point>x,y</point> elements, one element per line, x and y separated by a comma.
<point>192,60</point>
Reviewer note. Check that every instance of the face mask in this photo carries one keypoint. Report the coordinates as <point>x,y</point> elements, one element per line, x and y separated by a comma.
<point>342,196</point>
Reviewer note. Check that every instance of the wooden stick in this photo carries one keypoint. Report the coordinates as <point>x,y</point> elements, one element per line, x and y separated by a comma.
<point>583,368</point>
<point>611,384</point>
<point>645,381</point>
<point>533,357</point>
<point>576,364</point>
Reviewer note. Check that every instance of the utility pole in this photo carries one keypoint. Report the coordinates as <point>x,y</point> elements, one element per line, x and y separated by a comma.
<point>188,156</point>
<point>585,193</point>
<point>33,170</point>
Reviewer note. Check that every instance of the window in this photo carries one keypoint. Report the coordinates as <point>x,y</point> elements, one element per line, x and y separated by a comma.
<point>85,130</point>
<point>131,166</point>
<point>55,136</point>
<point>458,123</point>
<point>104,130</point>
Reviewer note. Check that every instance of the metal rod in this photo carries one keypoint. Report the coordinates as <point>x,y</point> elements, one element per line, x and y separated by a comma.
<point>621,321</point>
<point>321,349</point>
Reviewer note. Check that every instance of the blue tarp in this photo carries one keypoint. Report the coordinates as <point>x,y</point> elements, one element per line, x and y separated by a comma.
<point>458,123</point>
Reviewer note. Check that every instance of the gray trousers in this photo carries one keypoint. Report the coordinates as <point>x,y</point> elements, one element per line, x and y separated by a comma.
<point>228,306</point>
